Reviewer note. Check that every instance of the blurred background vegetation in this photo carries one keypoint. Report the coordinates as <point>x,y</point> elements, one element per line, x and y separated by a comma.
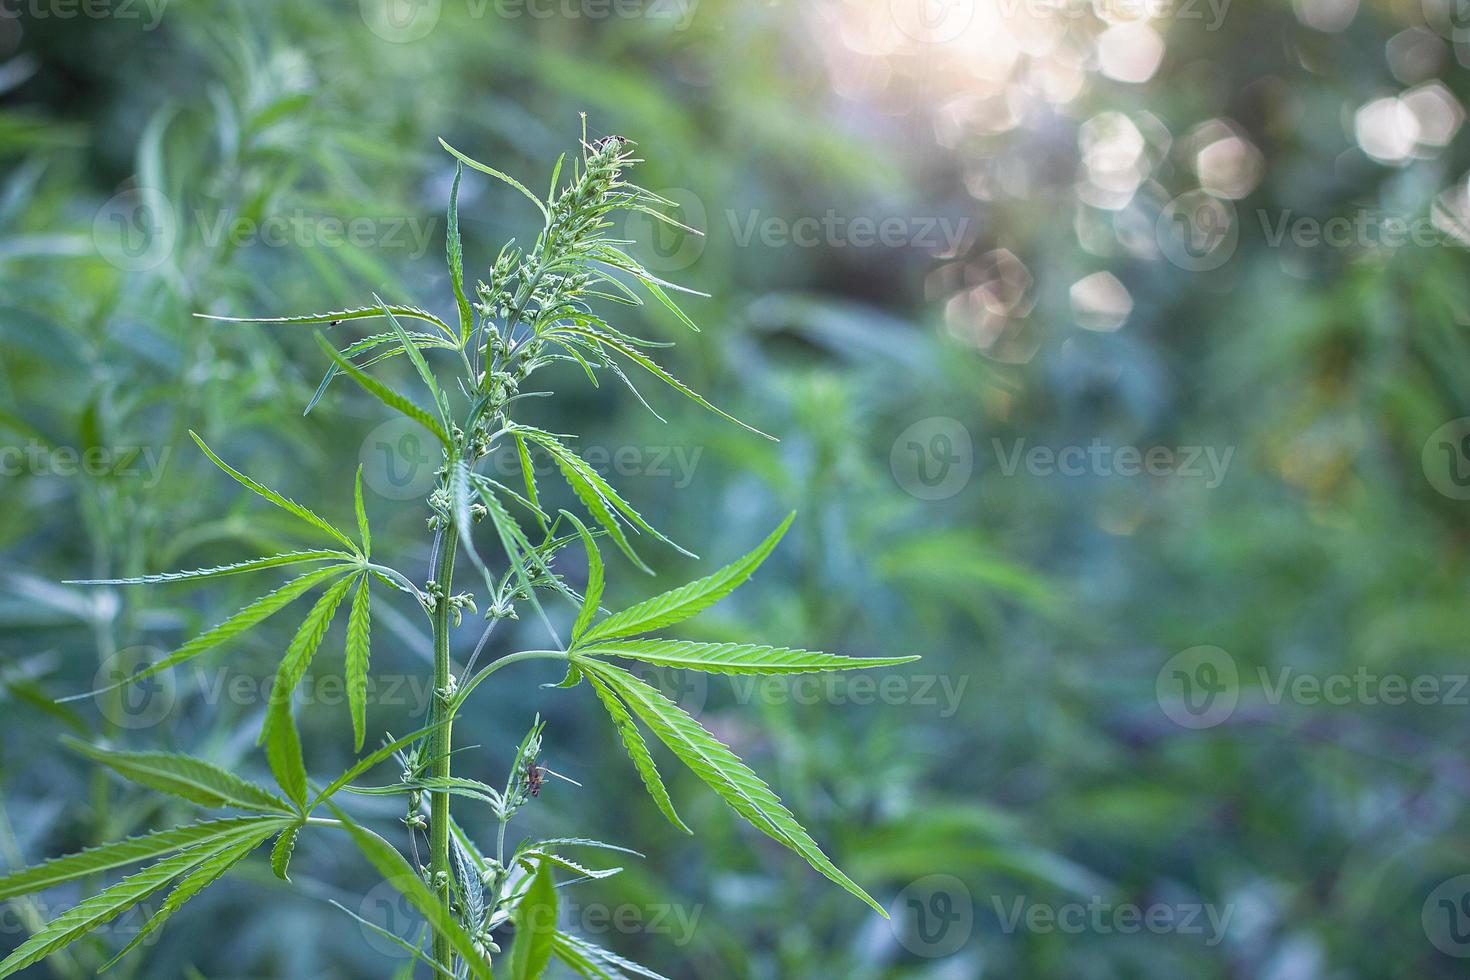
<point>1098,238</point>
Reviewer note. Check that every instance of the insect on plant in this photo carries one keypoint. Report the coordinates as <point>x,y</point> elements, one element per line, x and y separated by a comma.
<point>535,309</point>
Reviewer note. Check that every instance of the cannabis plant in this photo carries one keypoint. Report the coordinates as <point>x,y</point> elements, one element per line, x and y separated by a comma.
<point>535,309</point>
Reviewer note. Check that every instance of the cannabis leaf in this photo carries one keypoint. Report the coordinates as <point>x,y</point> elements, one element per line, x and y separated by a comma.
<point>596,493</point>
<point>485,169</point>
<point>397,872</point>
<point>621,346</point>
<point>216,851</point>
<point>593,595</point>
<point>242,622</point>
<point>386,395</point>
<point>284,847</point>
<point>251,565</point>
<point>535,919</point>
<point>214,867</point>
<point>193,779</point>
<point>590,960</point>
<point>337,315</point>
<point>284,503</point>
<point>454,250</point>
<point>680,604</point>
<point>637,751</point>
<point>105,857</point>
<point>359,632</point>
<point>283,744</point>
<point>714,763</point>
<point>733,658</point>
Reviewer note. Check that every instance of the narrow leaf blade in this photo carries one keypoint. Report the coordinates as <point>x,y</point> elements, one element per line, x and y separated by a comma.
<point>637,751</point>
<point>391,865</point>
<point>593,595</point>
<point>116,854</point>
<point>211,870</point>
<point>106,905</point>
<point>535,919</point>
<point>252,565</point>
<point>485,169</point>
<point>733,658</point>
<point>359,656</point>
<point>679,604</point>
<point>286,504</point>
<point>454,249</point>
<point>243,621</point>
<point>385,394</point>
<point>185,776</point>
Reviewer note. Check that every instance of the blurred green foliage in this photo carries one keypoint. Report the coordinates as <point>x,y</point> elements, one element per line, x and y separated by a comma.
<point>1030,755</point>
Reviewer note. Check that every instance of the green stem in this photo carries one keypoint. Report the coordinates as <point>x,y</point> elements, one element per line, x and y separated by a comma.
<point>439,802</point>
<point>490,668</point>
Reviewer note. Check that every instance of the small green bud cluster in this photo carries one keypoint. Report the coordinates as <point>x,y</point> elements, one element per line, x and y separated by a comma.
<point>524,781</point>
<point>544,283</point>
<point>433,595</point>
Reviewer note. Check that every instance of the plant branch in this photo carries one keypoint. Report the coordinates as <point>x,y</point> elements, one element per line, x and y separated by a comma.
<point>464,690</point>
<point>439,871</point>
